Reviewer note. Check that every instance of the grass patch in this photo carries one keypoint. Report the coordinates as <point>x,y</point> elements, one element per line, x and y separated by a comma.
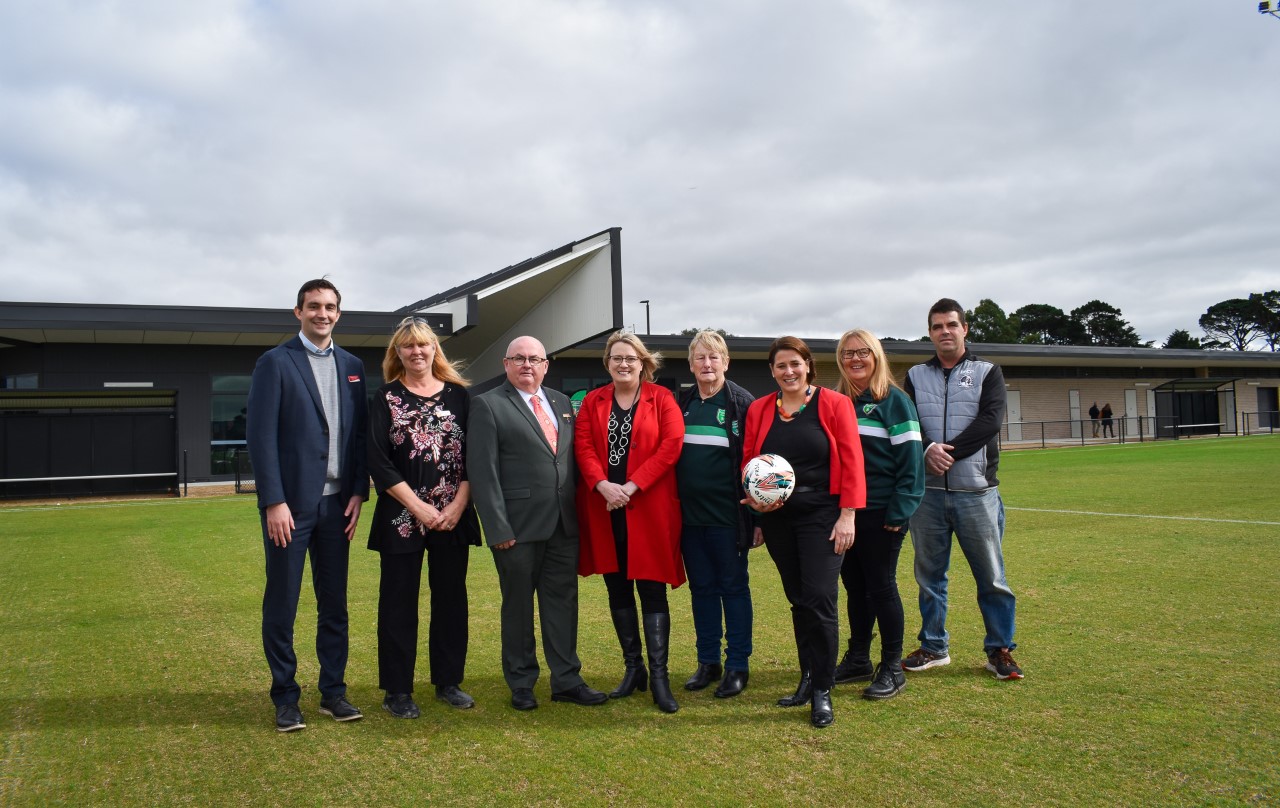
<point>132,669</point>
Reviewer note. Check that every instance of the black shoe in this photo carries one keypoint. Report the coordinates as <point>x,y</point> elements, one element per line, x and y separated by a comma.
<point>854,667</point>
<point>400,705</point>
<point>703,676</point>
<point>657,636</point>
<point>454,697</point>
<point>289,718</point>
<point>803,694</point>
<point>734,682</point>
<point>627,626</point>
<point>582,694</point>
<point>522,699</point>
<point>822,714</point>
<point>633,679</point>
<point>340,709</point>
<point>889,681</point>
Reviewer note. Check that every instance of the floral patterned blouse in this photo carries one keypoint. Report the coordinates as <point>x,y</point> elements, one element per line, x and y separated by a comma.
<point>421,441</point>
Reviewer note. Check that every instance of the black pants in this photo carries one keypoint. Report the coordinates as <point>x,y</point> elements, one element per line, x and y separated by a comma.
<point>398,592</point>
<point>653,594</point>
<point>870,575</point>
<point>798,537</point>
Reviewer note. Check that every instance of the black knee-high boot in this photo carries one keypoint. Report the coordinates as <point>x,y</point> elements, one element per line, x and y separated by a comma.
<point>636,677</point>
<point>657,632</point>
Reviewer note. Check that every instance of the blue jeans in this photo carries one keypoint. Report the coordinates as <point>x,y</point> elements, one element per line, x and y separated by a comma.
<point>977,520</point>
<point>718,579</point>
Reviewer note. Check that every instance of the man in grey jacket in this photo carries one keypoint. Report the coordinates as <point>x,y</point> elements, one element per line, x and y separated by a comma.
<point>961,401</point>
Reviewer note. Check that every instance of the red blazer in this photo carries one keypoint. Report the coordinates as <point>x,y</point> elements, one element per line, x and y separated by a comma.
<point>653,517</point>
<point>839,421</point>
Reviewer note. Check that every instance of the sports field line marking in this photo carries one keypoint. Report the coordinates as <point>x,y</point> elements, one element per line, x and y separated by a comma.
<point>87,505</point>
<point>1146,516</point>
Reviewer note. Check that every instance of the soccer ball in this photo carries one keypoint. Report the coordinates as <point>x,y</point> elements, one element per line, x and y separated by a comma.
<point>768,478</point>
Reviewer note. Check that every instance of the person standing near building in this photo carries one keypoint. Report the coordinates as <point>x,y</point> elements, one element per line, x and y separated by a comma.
<point>521,468</point>
<point>961,401</point>
<point>306,430</point>
<point>1094,414</point>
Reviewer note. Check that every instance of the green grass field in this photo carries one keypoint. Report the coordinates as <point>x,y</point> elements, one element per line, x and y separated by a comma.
<point>132,672</point>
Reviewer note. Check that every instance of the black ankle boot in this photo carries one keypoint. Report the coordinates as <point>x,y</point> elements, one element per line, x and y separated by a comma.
<point>856,665</point>
<point>889,681</point>
<point>657,632</point>
<point>803,694</point>
<point>627,625</point>
<point>822,714</point>
<point>703,676</point>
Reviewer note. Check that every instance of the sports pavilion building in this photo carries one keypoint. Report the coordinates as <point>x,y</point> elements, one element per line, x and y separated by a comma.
<point>119,398</point>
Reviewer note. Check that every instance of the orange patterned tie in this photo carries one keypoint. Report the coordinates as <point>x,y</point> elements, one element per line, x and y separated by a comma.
<point>548,428</point>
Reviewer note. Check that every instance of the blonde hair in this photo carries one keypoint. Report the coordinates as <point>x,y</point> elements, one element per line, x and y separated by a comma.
<point>710,338</point>
<point>649,362</point>
<point>415,331</point>
<point>881,378</point>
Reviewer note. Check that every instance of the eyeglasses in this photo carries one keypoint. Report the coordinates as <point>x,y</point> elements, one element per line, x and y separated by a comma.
<point>624,360</point>
<point>861,353</point>
<point>521,359</point>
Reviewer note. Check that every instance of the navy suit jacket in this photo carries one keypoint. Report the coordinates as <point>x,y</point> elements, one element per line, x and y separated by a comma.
<point>288,435</point>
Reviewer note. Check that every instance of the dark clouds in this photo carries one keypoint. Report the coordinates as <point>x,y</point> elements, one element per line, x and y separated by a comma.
<point>798,167</point>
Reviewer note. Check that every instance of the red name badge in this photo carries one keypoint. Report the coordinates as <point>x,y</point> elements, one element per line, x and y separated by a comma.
<point>353,378</point>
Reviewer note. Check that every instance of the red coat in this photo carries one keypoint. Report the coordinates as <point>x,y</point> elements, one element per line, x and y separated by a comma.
<point>836,414</point>
<point>653,516</point>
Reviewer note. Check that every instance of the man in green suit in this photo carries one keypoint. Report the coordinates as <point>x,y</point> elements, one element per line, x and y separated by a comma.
<point>520,465</point>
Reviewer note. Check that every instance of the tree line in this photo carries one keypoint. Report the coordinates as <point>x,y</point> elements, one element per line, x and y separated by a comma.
<point>1235,324</point>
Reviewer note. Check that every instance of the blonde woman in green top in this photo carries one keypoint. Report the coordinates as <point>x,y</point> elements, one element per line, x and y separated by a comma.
<point>894,461</point>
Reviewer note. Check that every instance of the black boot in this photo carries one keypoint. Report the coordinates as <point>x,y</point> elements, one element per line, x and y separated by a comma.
<point>856,665</point>
<point>657,632</point>
<point>803,694</point>
<point>822,715</point>
<point>703,676</point>
<point>636,677</point>
<point>889,681</point>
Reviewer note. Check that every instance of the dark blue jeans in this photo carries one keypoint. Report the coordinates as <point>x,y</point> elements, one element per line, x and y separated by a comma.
<point>718,583</point>
<point>320,535</point>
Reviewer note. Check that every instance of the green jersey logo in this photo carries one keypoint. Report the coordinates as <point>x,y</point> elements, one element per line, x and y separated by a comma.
<point>720,417</point>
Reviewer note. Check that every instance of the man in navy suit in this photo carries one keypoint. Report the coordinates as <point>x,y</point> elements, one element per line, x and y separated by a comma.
<point>306,432</point>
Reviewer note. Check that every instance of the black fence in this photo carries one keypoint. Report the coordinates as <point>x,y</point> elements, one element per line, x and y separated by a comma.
<point>1123,429</point>
<point>244,472</point>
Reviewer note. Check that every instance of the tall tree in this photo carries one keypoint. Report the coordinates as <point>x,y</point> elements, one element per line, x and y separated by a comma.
<point>689,332</point>
<point>1231,324</point>
<point>1267,311</point>
<point>989,323</point>
<point>1102,324</point>
<point>1042,324</point>
<point>1182,338</point>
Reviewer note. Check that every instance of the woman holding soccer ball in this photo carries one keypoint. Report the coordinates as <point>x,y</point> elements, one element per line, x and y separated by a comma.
<point>627,440</point>
<point>891,447</point>
<point>807,534</point>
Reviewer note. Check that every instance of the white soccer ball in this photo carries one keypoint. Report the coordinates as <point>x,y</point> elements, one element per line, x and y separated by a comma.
<point>768,478</point>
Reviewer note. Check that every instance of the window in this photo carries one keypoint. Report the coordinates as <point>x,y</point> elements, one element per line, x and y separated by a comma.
<point>227,406</point>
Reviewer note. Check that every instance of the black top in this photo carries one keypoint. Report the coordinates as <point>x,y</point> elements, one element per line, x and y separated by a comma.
<point>619,450</point>
<point>802,443</point>
<point>421,441</point>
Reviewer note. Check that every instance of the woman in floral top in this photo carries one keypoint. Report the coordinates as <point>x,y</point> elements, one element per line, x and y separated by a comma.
<point>417,458</point>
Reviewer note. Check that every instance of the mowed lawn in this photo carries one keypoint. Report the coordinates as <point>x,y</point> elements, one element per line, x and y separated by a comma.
<point>131,670</point>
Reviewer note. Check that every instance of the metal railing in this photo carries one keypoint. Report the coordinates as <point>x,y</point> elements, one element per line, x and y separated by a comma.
<point>1259,422</point>
<point>245,484</point>
<point>1123,429</point>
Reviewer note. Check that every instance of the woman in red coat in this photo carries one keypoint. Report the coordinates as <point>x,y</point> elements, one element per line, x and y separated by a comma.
<point>627,440</point>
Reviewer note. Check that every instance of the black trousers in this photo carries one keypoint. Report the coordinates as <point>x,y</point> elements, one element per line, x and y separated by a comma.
<point>798,538</point>
<point>398,592</point>
<point>653,594</point>
<point>870,575</point>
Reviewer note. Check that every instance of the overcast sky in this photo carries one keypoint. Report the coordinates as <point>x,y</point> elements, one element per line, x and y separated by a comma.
<point>798,167</point>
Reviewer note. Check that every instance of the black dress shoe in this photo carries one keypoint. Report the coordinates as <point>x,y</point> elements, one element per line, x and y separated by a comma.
<point>803,694</point>
<point>582,694</point>
<point>889,681</point>
<point>289,718</point>
<point>454,697</point>
<point>703,676</point>
<point>340,709</point>
<point>400,705</point>
<point>822,715</point>
<point>733,683</point>
<point>522,699</point>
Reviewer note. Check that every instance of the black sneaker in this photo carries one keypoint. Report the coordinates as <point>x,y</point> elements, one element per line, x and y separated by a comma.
<point>920,659</point>
<point>454,697</point>
<point>888,683</point>
<point>340,709</point>
<point>289,718</point>
<point>400,705</point>
<point>853,670</point>
<point>1000,662</point>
